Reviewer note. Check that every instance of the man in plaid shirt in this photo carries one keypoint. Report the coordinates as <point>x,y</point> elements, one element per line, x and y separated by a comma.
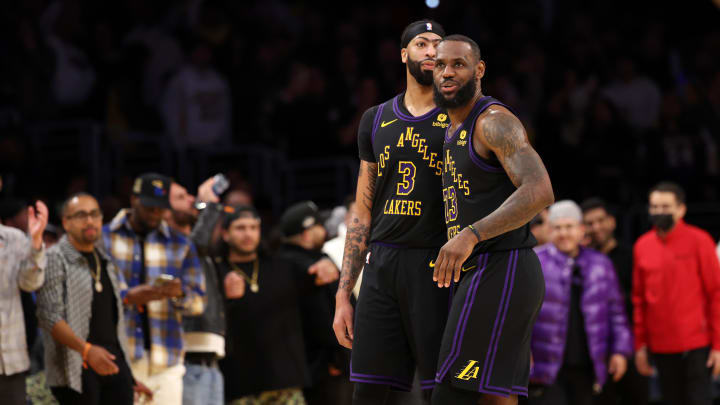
<point>146,251</point>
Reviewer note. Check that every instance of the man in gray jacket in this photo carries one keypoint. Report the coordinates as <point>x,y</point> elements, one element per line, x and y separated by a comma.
<point>79,306</point>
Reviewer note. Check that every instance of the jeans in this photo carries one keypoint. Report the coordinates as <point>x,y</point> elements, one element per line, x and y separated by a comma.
<point>203,385</point>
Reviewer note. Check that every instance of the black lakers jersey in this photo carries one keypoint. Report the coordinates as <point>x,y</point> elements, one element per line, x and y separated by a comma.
<point>407,208</point>
<point>474,187</point>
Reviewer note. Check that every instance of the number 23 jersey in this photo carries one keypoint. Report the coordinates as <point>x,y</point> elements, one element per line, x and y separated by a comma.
<point>407,207</point>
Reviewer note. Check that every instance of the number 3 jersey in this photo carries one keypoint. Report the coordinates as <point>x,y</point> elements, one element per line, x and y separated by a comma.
<point>474,187</point>
<point>408,207</point>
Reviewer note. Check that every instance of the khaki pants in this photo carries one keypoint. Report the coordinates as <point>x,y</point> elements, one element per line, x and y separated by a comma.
<point>166,385</point>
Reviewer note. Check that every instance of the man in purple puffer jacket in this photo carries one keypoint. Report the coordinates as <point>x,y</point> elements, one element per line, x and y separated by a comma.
<point>582,331</point>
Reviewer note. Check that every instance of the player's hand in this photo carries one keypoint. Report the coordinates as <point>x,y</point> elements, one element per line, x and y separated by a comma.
<point>617,366</point>
<point>325,271</point>
<point>714,362</point>
<point>101,361</point>
<point>343,322</point>
<point>642,363</point>
<point>234,286</point>
<point>452,256</point>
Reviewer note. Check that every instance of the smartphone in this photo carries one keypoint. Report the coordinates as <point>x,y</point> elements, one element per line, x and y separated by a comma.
<point>163,279</point>
<point>220,185</point>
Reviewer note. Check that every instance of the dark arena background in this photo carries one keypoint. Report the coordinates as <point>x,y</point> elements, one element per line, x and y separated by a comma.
<point>615,96</point>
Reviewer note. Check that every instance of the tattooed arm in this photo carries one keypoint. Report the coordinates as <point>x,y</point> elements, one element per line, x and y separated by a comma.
<point>500,132</point>
<point>356,246</point>
<point>504,135</point>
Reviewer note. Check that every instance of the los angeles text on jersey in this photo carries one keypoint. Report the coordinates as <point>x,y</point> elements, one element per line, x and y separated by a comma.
<point>415,141</point>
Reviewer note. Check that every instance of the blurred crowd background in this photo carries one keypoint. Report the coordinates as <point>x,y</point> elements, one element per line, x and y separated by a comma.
<point>615,95</point>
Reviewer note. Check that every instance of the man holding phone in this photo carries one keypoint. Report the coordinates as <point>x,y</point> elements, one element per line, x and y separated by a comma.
<point>144,248</point>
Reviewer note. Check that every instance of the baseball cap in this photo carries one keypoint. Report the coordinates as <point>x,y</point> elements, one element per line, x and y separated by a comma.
<point>153,189</point>
<point>299,217</point>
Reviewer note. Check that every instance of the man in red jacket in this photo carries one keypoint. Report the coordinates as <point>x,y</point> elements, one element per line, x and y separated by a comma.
<point>676,300</point>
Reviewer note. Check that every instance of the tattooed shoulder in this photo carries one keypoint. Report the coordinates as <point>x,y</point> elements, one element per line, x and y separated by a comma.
<point>502,131</point>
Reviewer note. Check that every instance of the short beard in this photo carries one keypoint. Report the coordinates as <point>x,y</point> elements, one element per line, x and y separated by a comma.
<point>423,77</point>
<point>183,218</point>
<point>462,96</point>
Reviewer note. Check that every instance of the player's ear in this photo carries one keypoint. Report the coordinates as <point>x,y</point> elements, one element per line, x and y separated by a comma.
<point>404,55</point>
<point>480,69</point>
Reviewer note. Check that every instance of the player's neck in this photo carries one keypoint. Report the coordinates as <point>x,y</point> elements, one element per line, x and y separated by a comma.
<point>418,98</point>
<point>459,114</point>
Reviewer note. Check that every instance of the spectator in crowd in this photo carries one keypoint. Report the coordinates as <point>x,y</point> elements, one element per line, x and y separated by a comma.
<point>335,247</point>
<point>23,262</point>
<point>304,236</point>
<point>81,310</point>
<point>164,263</point>
<point>540,227</point>
<point>600,225</point>
<point>676,298</point>
<point>204,337</point>
<point>265,359</point>
<point>582,333</point>
<point>197,104</point>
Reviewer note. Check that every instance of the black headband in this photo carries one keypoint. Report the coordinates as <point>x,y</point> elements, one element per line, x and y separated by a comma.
<point>418,28</point>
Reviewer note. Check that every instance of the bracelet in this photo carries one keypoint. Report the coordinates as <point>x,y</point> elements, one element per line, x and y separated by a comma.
<point>477,234</point>
<point>86,349</point>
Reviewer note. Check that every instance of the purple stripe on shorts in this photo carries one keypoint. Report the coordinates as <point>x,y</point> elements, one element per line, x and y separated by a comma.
<point>391,383</point>
<point>502,321</point>
<point>443,369</point>
<point>497,317</point>
<point>410,118</point>
<point>381,377</point>
<point>376,123</point>
<point>462,321</point>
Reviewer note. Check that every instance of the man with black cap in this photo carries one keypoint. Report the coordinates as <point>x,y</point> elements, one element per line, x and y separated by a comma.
<point>265,355</point>
<point>304,236</point>
<point>395,231</point>
<point>149,254</point>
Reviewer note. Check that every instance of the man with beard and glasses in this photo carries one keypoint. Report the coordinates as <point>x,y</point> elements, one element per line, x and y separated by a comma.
<point>164,263</point>
<point>494,183</point>
<point>80,307</point>
<point>676,300</point>
<point>204,335</point>
<point>395,231</point>
<point>265,360</point>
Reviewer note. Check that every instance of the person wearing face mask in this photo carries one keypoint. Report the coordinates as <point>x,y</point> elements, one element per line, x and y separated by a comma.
<point>676,300</point>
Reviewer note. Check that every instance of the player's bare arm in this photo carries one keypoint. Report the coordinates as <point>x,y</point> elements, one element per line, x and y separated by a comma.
<point>356,247</point>
<point>498,131</point>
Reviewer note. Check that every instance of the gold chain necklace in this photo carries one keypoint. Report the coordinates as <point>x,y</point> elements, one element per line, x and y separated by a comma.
<point>96,275</point>
<point>252,281</point>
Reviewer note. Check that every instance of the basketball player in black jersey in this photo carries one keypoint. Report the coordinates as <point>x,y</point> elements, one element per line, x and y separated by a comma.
<point>494,183</point>
<point>396,230</point>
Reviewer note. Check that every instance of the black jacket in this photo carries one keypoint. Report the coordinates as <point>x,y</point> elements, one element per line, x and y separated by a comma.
<point>317,310</point>
<point>213,318</point>
<point>264,343</point>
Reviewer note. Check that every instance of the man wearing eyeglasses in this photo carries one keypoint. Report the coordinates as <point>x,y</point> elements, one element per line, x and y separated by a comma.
<point>80,308</point>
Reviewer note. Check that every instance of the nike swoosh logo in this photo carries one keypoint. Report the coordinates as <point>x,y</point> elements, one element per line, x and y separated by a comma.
<point>384,124</point>
<point>432,264</point>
